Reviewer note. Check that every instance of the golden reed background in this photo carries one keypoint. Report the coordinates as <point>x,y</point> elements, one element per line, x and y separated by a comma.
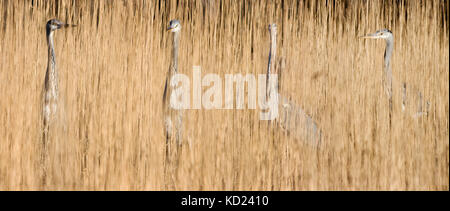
<point>112,69</point>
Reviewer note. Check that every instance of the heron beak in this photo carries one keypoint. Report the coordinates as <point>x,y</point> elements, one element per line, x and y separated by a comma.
<point>69,25</point>
<point>61,24</point>
<point>169,28</point>
<point>370,36</point>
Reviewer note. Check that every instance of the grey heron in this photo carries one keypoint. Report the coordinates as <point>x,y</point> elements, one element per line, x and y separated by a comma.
<point>386,35</point>
<point>389,37</point>
<point>172,119</point>
<point>51,89</point>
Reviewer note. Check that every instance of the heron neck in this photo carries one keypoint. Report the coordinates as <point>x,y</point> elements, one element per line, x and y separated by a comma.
<point>176,42</point>
<point>273,50</point>
<point>271,64</point>
<point>51,76</point>
<point>51,51</point>
<point>388,52</point>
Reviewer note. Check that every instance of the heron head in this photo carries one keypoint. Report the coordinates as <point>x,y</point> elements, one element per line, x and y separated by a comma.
<point>174,26</point>
<point>54,24</point>
<point>380,34</point>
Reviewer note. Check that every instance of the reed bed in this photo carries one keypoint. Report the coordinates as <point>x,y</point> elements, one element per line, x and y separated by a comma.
<point>112,69</point>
